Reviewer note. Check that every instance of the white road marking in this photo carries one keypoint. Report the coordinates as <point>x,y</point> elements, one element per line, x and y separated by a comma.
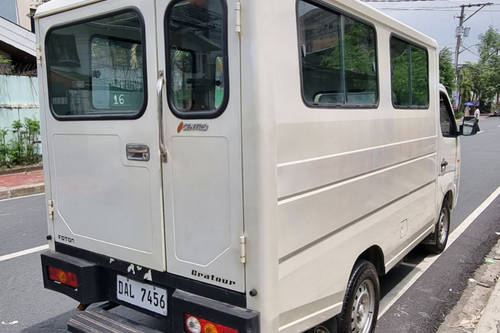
<point>423,266</point>
<point>23,252</point>
<point>23,197</point>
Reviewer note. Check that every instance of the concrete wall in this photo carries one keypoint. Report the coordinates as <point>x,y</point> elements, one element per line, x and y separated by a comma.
<point>23,8</point>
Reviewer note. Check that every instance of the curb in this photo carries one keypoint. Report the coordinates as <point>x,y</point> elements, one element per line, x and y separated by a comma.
<point>19,191</point>
<point>21,169</point>
<point>490,321</point>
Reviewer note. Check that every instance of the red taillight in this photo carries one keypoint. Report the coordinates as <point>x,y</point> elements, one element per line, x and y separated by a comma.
<point>194,324</point>
<point>65,277</point>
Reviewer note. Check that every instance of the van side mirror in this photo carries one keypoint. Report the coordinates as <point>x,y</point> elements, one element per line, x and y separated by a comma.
<point>467,129</point>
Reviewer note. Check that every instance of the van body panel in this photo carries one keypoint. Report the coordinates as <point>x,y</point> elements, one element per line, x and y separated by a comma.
<point>210,201</point>
<point>348,178</point>
<point>101,198</point>
<point>82,184</point>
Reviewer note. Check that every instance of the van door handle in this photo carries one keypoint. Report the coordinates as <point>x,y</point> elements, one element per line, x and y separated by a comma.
<point>444,164</point>
<point>159,91</point>
<point>137,152</point>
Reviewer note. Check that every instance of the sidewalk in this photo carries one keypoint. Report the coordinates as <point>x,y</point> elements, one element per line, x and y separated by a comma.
<point>23,183</point>
<point>490,321</point>
<point>478,310</point>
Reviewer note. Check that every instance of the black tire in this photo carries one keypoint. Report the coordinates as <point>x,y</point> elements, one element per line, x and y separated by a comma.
<point>354,314</point>
<point>436,242</point>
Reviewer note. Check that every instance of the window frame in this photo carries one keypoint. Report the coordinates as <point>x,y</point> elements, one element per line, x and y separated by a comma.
<point>342,13</point>
<point>424,48</point>
<point>225,54</point>
<point>114,116</point>
<point>449,111</point>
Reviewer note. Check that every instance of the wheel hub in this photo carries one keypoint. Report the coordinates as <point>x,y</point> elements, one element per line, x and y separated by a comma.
<point>442,228</point>
<point>363,307</point>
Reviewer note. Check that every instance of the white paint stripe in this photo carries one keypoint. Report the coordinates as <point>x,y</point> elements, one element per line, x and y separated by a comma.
<point>23,197</point>
<point>23,252</point>
<point>423,266</point>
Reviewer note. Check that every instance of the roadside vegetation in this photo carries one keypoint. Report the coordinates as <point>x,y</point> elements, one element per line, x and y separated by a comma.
<point>23,147</point>
<point>480,81</point>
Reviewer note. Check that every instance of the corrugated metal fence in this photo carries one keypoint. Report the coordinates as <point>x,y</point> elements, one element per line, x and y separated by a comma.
<point>18,99</point>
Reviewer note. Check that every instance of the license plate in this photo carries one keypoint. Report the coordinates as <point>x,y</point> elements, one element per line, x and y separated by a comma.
<point>142,295</point>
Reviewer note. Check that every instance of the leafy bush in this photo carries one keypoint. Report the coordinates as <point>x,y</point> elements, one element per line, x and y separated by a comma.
<point>22,148</point>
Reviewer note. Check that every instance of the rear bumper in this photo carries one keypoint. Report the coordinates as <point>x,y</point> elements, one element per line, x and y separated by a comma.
<point>97,283</point>
<point>90,289</point>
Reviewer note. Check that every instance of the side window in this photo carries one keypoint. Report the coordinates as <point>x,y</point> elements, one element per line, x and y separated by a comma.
<point>198,82</point>
<point>410,79</point>
<point>448,124</point>
<point>338,58</point>
<point>96,68</point>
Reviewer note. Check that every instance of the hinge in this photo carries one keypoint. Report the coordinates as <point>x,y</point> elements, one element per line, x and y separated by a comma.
<point>238,17</point>
<point>38,54</point>
<point>243,249</point>
<point>51,209</point>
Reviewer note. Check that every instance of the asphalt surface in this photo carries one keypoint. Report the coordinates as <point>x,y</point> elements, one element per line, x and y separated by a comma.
<point>25,306</point>
<point>22,224</point>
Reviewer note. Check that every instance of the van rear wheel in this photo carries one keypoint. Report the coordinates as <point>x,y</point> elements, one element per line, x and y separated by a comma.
<point>438,239</point>
<point>361,301</point>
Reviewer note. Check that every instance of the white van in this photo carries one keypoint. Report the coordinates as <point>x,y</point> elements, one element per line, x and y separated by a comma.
<point>238,166</point>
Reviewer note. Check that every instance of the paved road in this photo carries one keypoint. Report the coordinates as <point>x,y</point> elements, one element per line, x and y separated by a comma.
<point>26,306</point>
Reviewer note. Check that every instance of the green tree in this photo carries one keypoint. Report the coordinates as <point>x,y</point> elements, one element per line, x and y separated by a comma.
<point>3,146</point>
<point>446,70</point>
<point>16,145</point>
<point>5,65</point>
<point>481,80</point>
<point>489,50</point>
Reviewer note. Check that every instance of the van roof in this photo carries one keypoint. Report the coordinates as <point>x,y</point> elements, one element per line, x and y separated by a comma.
<point>362,9</point>
<point>357,7</point>
<point>57,6</point>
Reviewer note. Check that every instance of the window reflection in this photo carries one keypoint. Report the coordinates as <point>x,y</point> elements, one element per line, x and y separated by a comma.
<point>338,58</point>
<point>197,80</point>
<point>410,83</point>
<point>95,68</point>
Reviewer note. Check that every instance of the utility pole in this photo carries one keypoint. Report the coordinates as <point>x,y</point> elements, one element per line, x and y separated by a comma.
<point>460,33</point>
<point>460,29</point>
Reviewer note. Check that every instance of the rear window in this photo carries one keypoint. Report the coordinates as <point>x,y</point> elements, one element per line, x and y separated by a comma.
<point>197,61</point>
<point>96,68</point>
<point>410,79</point>
<point>338,58</point>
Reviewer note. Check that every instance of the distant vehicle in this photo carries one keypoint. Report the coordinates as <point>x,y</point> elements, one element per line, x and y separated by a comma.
<point>496,113</point>
<point>232,166</point>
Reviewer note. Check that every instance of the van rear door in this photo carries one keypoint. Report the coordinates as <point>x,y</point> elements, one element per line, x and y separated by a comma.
<point>102,131</point>
<point>201,115</point>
